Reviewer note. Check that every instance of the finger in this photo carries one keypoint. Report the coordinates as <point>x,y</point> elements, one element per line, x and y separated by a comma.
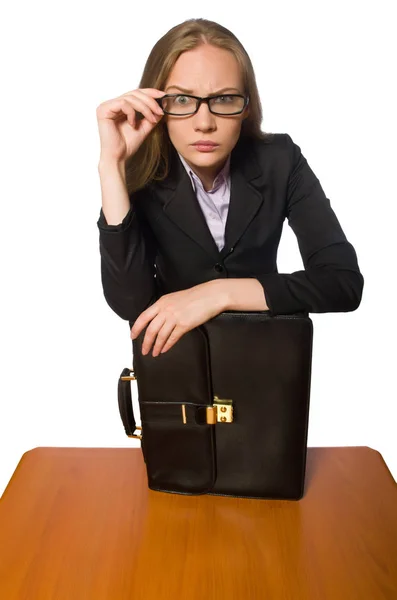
<point>140,106</point>
<point>172,339</point>
<point>145,104</point>
<point>144,318</point>
<point>151,332</point>
<point>152,113</point>
<point>150,100</point>
<point>163,336</point>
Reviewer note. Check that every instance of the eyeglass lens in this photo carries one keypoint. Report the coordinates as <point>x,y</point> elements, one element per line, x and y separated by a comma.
<point>222,105</point>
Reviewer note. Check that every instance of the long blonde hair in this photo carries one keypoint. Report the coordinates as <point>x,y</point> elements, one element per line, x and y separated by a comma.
<point>152,161</point>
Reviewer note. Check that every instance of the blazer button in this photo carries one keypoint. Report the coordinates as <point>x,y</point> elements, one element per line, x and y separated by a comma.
<point>218,267</point>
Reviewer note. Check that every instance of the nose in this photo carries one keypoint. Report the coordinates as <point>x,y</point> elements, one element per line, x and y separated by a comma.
<point>204,119</point>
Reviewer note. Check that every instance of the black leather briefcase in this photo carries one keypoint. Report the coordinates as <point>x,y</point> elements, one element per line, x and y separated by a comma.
<point>225,411</point>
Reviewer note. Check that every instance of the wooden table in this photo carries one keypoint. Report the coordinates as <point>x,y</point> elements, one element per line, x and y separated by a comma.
<point>81,524</point>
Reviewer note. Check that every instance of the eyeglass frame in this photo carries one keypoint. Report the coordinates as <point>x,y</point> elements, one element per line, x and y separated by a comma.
<point>200,101</point>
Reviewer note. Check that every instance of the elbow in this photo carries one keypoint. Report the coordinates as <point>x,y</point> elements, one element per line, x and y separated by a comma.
<point>124,308</point>
<point>129,308</point>
<point>337,290</point>
<point>359,287</point>
<point>126,299</point>
<point>351,286</point>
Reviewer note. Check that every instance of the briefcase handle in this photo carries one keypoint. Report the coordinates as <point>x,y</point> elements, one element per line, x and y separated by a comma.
<point>125,403</point>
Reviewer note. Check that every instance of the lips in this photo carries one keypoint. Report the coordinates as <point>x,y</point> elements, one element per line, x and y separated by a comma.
<point>205,143</point>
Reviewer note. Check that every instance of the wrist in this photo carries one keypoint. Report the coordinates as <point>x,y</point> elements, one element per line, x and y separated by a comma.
<point>222,293</point>
<point>243,294</point>
<point>111,165</point>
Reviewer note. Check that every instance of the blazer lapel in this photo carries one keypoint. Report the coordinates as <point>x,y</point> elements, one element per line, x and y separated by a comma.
<point>181,206</point>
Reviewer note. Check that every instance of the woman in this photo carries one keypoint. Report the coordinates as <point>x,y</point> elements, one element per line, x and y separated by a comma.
<point>188,231</point>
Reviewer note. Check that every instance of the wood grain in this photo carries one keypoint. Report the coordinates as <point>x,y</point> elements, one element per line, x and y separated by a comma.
<point>80,523</point>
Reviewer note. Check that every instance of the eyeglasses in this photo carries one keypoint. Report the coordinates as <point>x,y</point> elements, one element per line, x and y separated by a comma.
<point>184,104</point>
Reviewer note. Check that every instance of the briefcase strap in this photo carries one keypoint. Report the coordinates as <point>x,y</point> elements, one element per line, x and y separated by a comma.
<point>125,403</point>
<point>220,411</point>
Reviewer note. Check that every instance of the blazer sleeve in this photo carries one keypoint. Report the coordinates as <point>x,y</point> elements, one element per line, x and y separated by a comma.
<point>128,254</point>
<point>331,280</point>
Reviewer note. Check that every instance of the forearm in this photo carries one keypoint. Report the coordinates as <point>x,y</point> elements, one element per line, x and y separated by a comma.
<point>115,200</point>
<point>127,271</point>
<point>126,248</point>
<point>241,294</point>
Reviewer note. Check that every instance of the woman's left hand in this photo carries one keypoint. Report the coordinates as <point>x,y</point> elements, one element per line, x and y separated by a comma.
<point>175,314</point>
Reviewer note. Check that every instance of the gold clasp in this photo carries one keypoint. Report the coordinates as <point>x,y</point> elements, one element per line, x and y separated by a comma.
<point>220,412</point>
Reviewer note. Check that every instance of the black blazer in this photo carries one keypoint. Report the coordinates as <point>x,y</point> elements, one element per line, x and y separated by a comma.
<point>164,244</point>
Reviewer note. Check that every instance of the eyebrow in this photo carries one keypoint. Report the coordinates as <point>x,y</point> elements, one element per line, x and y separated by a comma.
<point>213,93</point>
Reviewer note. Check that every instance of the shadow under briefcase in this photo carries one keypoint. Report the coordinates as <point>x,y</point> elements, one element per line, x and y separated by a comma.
<point>225,411</point>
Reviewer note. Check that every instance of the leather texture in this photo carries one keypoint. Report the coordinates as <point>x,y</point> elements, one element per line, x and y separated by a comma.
<point>261,362</point>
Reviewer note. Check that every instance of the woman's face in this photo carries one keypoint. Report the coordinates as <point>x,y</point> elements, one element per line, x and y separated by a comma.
<point>204,71</point>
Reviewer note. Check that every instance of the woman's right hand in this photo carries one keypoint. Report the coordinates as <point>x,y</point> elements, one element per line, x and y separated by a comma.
<point>121,132</point>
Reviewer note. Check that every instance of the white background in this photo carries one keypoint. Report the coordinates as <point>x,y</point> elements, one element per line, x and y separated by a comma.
<point>325,75</point>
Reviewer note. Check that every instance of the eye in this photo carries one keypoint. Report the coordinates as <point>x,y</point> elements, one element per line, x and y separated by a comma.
<point>185,99</point>
<point>228,99</point>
